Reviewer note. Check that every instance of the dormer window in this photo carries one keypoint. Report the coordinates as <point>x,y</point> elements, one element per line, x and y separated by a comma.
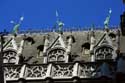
<point>40,50</point>
<point>86,48</point>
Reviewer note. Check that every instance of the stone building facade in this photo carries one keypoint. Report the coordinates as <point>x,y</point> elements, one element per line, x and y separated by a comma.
<point>68,57</point>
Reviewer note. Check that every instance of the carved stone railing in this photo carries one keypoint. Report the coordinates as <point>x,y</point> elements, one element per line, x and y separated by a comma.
<point>87,70</point>
<point>62,70</point>
<point>35,71</point>
<point>12,72</point>
<point>51,70</point>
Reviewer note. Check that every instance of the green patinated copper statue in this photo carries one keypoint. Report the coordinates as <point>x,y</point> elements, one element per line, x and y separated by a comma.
<point>106,22</point>
<point>60,24</point>
<point>16,26</point>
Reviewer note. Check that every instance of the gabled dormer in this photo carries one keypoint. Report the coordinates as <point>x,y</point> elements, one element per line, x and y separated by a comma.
<point>10,51</point>
<point>105,48</point>
<point>56,50</point>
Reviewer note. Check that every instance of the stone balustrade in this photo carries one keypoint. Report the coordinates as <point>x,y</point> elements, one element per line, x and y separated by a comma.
<point>52,70</point>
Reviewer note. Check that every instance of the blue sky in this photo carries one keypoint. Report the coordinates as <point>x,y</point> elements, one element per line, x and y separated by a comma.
<point>41,13</point>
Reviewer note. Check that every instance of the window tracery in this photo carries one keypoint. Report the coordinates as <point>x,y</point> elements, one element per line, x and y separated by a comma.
<point>56,54</point>
<point>9,56</point>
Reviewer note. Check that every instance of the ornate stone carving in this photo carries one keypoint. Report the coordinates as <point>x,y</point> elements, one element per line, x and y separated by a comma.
<point>56,71</point>
<point>86,70</point>
<point>56,54</point>
<point>64,70</point>
<point>12,72</point>
<point>36,71</point>
<point>9,56</point>
<point>104,52</point>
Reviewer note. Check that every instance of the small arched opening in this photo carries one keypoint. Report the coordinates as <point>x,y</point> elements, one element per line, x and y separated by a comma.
<point>86,48</point>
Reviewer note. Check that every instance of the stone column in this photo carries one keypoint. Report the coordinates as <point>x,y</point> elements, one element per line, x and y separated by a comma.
<point>75,69</point>
<point>68,49</point>
<point>20,50</point>
<point>46,45</point>
<point>69,45</point>
<point>22,72</point>
<point>49,69</point>
<point>92,44</point>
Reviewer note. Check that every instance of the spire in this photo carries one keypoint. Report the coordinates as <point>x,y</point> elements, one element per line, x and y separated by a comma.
<point>106,22</point>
